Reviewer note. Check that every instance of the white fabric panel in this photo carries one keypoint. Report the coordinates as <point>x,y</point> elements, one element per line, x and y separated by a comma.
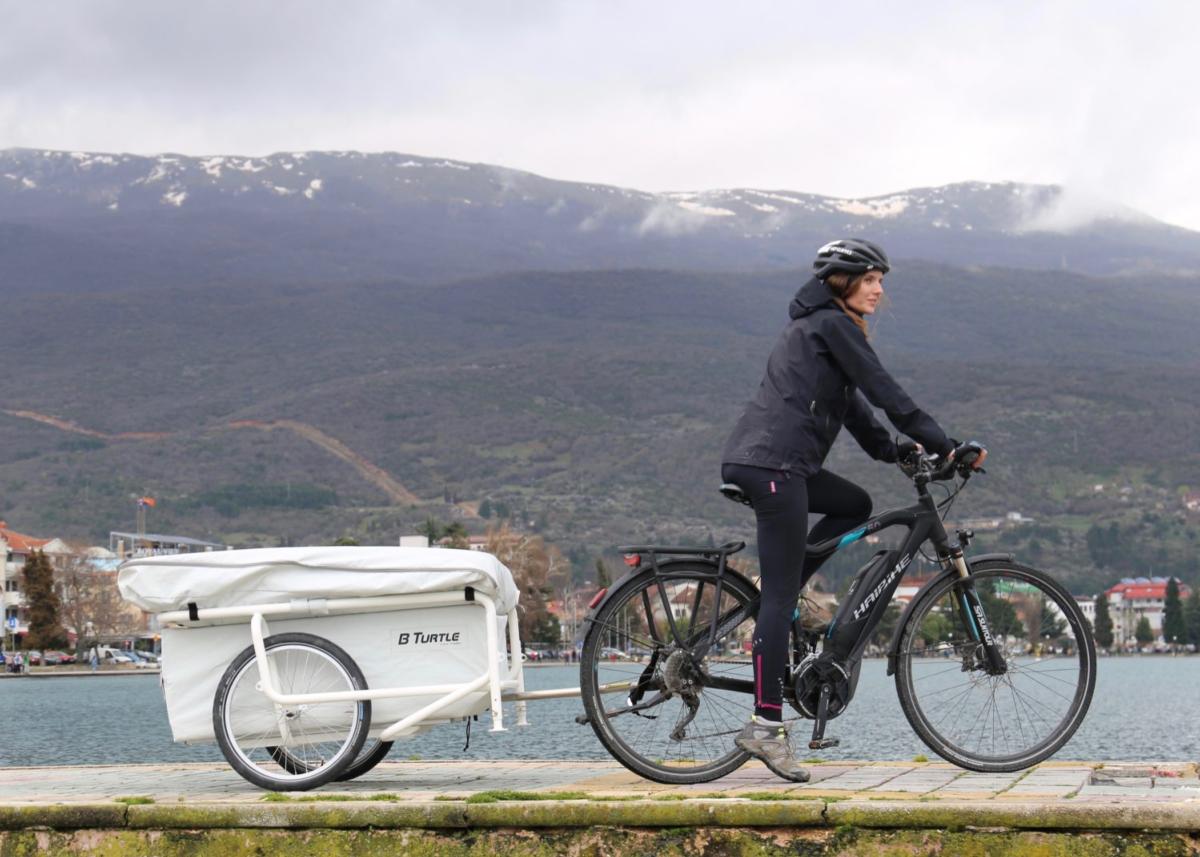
<point>269,575</point>
<point>194,660</point>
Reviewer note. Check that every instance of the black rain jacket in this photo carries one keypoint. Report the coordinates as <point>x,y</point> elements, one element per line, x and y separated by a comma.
<point>817,376</point>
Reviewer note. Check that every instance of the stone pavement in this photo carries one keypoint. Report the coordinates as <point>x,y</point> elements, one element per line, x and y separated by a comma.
<point>1051,783</point>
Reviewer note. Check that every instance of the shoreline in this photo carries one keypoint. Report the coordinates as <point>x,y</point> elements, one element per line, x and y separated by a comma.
<point>40,672</point>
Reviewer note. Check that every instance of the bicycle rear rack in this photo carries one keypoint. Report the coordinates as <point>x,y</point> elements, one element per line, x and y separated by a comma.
<point>720,554</point>
<point>727,549</point>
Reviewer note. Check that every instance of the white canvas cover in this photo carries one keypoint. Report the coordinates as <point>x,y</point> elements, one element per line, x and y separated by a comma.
<point>272,575</point>
<point>194,658</point>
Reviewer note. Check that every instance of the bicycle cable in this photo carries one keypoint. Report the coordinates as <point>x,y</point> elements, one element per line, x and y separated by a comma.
<point>943,507</point>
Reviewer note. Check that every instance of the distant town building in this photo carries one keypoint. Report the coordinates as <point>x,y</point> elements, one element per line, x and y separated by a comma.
<point>1135,597</point>
<point>16,548</point>
<point>475,543</point>
<point>1087,605</point>
<point>128,545</point>
<point>908,589</point>
<point>980,523</point>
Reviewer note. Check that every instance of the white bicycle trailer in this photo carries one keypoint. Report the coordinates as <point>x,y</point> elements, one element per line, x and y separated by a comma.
<point>365,645</point>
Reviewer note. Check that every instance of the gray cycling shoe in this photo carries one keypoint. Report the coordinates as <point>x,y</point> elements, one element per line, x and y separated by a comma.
<point>768,742</point>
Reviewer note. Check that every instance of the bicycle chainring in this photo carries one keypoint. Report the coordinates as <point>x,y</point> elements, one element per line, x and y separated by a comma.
<point>814,671</point>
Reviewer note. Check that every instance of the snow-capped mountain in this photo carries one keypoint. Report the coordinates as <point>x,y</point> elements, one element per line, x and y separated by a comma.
<point>81,221</point>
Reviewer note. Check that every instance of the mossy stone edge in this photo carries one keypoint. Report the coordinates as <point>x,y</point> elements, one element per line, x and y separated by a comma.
<point>456,815</point>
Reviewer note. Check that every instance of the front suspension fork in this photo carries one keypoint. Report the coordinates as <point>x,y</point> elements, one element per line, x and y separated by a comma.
<point>974,618</point>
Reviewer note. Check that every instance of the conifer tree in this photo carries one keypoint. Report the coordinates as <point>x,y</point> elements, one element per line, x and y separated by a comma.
<point>1104,622</point>
<point>45,629</point>
<point>1144,633</point>
<point>1174,630</point>
<point>603,577</point>
<point>1191,617</point>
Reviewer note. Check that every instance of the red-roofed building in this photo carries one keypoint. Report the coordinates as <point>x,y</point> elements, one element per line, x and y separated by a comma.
<point>16,548</point>
<point>1135,597</point>
<point>909,587</point>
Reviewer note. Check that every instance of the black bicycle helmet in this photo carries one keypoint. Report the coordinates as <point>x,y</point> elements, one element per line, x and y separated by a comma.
<point>851,255</point>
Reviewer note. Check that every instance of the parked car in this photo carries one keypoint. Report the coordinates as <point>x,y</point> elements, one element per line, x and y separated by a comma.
<point>53,658</point>
<point>139,659</point>
<point>109,655</point>
<point>613,654</point>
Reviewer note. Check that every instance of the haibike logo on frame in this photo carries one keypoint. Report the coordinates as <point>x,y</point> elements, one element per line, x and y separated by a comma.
<point>862,609</point>
<point>421,638</point>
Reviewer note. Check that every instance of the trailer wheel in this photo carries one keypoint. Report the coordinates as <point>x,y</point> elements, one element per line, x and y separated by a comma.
<point>291,747</point>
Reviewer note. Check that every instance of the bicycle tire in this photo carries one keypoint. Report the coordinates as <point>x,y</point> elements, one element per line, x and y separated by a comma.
<point>642,748</point>
<point>1052,656</point>
<point>324,738</point>
<point>372,753</point>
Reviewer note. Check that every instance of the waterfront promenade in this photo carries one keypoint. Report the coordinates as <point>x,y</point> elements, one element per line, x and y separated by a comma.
<point>439,802</point>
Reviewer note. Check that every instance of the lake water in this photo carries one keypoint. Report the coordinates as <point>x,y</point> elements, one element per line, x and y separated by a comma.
<point>1145,709</point>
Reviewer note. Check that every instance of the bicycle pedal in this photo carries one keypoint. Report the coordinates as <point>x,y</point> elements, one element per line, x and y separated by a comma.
<point>823,743</point>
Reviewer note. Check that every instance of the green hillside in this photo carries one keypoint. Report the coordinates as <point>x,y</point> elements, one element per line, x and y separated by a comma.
<point>590,406</point>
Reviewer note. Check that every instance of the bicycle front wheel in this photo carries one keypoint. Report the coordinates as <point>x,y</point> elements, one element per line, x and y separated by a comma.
<point>1002,722</point>
<point>664,712</point>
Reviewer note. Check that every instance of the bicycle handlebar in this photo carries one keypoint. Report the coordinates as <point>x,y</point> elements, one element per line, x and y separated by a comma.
<point>963,460</point>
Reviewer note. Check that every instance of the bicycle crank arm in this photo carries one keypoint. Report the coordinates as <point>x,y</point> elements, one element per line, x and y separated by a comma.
<point>819,741</point>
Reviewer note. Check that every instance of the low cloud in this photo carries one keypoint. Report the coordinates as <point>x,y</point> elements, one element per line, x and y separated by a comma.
<point>1070,209</point>
<point>668,218</point>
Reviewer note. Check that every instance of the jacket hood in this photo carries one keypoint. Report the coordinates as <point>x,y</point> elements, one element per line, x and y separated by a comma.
<point>812,295</point>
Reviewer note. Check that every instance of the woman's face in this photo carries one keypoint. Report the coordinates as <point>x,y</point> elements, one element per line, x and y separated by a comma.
<point>868,294</point>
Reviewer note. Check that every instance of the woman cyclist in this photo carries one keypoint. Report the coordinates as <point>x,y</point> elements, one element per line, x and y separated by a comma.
<point>820,376</point>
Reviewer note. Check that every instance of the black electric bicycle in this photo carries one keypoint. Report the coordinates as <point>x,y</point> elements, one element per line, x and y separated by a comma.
<point>994,661</point>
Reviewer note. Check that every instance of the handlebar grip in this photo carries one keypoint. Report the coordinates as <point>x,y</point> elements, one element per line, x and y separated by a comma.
<point>967,455</point>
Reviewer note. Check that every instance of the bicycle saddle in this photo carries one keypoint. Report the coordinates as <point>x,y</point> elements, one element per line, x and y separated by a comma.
<point>734,492</point>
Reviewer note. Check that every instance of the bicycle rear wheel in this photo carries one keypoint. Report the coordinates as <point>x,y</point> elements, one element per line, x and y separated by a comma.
<point>663,713</point>
<point>1004,722</point>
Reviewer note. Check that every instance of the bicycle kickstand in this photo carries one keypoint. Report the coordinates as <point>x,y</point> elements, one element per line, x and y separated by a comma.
<point>819,741</point>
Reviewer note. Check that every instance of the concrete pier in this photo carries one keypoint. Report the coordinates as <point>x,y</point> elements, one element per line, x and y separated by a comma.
<point>519,807</point>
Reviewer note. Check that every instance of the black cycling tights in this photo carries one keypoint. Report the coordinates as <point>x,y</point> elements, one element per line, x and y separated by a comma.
<point>782,503</point>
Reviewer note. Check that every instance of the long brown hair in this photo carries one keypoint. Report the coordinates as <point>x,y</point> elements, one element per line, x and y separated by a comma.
<point>844,285</point>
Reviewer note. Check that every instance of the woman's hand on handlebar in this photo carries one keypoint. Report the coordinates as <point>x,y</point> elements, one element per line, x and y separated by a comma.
<point>964,458</point>
<point>969,456</point>
<point>909,455</point>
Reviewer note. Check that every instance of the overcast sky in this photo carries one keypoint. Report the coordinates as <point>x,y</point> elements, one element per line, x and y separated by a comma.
<point>847,98</point>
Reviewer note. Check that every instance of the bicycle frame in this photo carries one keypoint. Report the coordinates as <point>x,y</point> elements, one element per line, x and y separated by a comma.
<point>868,598</point>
